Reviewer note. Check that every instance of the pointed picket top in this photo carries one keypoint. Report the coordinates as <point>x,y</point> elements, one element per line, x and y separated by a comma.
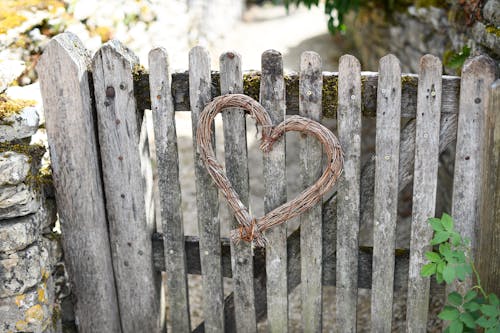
<point>117,47</point>
<point>68,44</point>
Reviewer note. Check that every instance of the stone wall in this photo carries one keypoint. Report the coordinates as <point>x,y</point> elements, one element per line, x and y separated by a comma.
<point>29,248</point>
<point>409,32</point>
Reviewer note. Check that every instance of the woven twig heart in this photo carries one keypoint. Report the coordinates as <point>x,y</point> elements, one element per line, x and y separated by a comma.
<point>252,229</point>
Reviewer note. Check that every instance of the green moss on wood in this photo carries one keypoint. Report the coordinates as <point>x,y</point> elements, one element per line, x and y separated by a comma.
<point>409,81</point>
<point>330,96</point>
<point>251,85</point>
<point>141,87</point>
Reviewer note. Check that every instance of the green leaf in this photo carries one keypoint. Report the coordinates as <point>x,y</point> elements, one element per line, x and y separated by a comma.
<point>456,326</point>
<point>456,239</point>
<point>433,256</point>
<point>445,250</point>
<point>455,299</point>
<point>490,310</point>
<point>468,320</point>
<point>494,299</point>
<point>447,222</point>
<point>441,265</point>
<point>440,237</point>
<point>457,60</point>
<point>486,323</point>
<point>449,274</point>
<point>436,224</point>
<point>471,306</point>
<point>494,329</point>
<point>461,273</point>
<point>470,296</point>
<point>449,313</point>
<point>439,278</point>
<point>428,270</point>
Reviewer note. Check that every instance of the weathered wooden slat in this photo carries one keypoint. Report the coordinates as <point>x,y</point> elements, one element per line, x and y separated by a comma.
<point>365,255</point>
<point>118,129</point>
<point>206,199</point>
<point>424,189</point>
<point>169,189</point>
<point>236,154</point>
<point>64,80</point>
<point>272,98</point>
<point>386,188</point>
<point>311,152</point>
<point>489,239</point>
<point>369,81</point>
<point>477,76</point>
<point>348,205</point>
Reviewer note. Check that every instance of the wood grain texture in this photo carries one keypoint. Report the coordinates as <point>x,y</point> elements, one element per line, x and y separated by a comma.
<point>369,80</point>
<point>386,189</point>
<point>272,98</point>
<point>118,128</point>
<point>207,201</point>
<point>477,76</point>
<point>310,88</point>
<point>348,205</point>
<point>424,189</point>
<point>365,255</point>
<point>489,238</point>
<point>169,189</point>
<point>64,80</point>
<point>236,154</point>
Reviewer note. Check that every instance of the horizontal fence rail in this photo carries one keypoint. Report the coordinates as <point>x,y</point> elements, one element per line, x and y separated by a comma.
<point>116,272</point>
<point>369,83</point>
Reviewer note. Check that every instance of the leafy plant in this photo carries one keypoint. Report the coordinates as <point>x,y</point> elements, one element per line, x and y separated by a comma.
<point>457,60</point>
<point>475,309</point>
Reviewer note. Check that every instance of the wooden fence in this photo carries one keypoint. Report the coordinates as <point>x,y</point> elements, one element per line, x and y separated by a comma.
<point>115,256</point>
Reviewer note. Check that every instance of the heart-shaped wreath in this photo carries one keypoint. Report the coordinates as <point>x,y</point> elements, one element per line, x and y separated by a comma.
<point>251,229</point>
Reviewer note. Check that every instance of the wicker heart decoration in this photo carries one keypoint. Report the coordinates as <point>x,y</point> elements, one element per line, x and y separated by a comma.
<point>251,229</point>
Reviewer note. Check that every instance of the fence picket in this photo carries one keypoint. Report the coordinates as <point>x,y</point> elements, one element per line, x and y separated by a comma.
<point>236,154</point>
<point>310,92</point>
<point>424,188</point>
<point>348,204</point>
<point>65,87</point>
<point>272,98</point>
<point>477,76</point>
<point>386,187</point>
<point>489,237</point>
<point>124,189</point>
<point>207,201</point>
<point>169,189</point>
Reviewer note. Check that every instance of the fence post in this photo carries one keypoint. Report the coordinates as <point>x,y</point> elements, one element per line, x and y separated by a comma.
<point>477,75</point>
<point>64,81</point>
<point>489,230</point>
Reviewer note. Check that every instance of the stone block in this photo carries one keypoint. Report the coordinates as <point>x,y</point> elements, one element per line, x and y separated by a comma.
<point>19,125</point>
<point>33,311</point>
<point>491,11</point>
<point>20,271</point>
<point>18,233</point>
<point>17,200</point>
<point>485,38</point>
<point>14,167</point>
